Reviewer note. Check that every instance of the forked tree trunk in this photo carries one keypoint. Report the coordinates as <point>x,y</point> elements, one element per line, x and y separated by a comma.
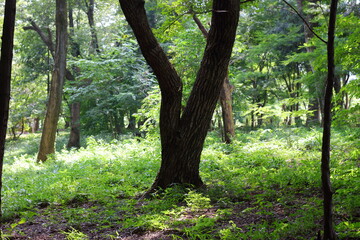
<point>329,232</point>
<point>47,143</point>
<point>182,137</point>
<point>5,76</point>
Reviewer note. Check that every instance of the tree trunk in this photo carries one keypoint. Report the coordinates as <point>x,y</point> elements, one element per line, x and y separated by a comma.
<point>225,96</point>
<point>227,112</point>
<point>47,143</point>
<point>182,138</point>
<point>329,232</point>
<point>35,125</point>
<point>5,76</point>
<point>74,138</point>
<point>90,14</point>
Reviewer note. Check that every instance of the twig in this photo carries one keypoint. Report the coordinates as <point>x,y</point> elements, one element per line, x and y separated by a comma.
<point>306,23</point>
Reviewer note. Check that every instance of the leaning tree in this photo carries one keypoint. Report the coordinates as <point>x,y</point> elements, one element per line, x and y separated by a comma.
<point>183,132</point>
<point>47,143</point>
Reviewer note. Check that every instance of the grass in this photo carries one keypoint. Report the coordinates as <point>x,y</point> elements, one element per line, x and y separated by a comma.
<point>265,185</point>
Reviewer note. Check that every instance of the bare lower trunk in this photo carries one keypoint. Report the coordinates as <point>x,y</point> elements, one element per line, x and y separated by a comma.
<point>74,139</point>
<point>227,112</point>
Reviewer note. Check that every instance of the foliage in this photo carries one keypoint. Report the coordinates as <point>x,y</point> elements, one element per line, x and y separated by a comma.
<point>104,107</point>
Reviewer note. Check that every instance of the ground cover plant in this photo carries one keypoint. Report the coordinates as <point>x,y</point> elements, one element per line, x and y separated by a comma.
<point>265,185</point>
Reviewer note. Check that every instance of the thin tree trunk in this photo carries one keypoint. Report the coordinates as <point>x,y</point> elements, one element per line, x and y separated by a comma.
<point>47,143</point>
<point>74,138</point>
<point>329,232</point>
<point>5,77</point>
<point>183,138</point>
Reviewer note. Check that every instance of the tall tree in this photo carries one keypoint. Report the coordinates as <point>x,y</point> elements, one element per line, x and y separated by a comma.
<point>183,135</point>
<point>5,76</point>
<point>47,143</point>
<point>329,232</point>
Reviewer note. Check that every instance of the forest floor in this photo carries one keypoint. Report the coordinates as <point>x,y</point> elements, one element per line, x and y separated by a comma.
<point>265,185</point>
<point>43,226</point>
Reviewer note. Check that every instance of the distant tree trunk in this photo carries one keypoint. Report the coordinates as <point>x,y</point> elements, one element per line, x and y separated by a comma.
<point>74,138</point>
<point>182,137</point>
<point>132,121</point>
<point>225,96</point>
<point>47,143</point>
<point>35,125</point>
<point>227,111</point>
<point>329,232</point>
<point>5,77</point>
<point>90,14</point>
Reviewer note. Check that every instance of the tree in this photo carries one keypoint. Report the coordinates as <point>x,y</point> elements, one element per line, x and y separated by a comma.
<point>5,76</point>
<point>74,138</point>
<point>183,135</point>
<point>329,232</point>
<point>48,136</point>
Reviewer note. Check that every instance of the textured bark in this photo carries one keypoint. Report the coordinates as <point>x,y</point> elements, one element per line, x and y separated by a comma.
<point>5,76</point>
<point>225,96</point>
<point>47,143</point>
<point>182,138</point>
<point>329,232</point>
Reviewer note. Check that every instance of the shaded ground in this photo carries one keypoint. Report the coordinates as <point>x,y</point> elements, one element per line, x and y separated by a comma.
<point>49,222</point>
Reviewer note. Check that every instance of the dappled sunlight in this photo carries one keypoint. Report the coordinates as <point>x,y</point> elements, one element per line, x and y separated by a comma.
<point>258,182</point>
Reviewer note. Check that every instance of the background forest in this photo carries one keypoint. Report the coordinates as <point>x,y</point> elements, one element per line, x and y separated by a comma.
<point>261,158</point>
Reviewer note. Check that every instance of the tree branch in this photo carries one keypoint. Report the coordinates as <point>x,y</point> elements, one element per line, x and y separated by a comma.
<point>45,38</point>
<point>306,23</point>
<point>200,26</point>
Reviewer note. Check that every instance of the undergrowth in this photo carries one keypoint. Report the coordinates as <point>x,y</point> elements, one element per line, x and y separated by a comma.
<point>265,185</point>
